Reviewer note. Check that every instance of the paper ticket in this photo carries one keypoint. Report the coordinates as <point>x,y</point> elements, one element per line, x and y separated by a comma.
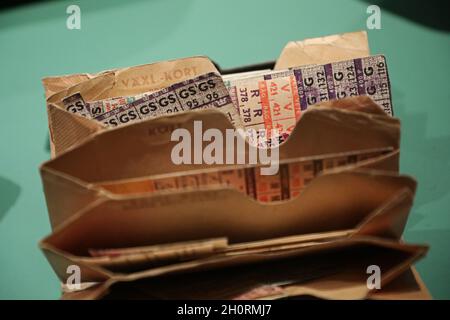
<point>99,107</point>
<point>277,99</point>
<point>216,243</point>
<point>291,178</point>
<point>204,91</point>
<point>76,104</point>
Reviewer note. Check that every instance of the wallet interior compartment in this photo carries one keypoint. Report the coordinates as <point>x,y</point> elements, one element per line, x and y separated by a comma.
<point>292,176</point>
<point>127,260</point>
<point>339,273</point>
<point>145,148</point>
<point>334,201</point>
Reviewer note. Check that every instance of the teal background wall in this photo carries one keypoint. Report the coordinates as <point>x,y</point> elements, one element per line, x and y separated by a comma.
<point>34,42</point>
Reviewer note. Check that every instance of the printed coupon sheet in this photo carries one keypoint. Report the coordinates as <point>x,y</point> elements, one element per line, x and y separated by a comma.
<point>99,107</point>
<point>261,102</point>
<point>204,91</point>
<point>276,100</point>
<point>76,104</point>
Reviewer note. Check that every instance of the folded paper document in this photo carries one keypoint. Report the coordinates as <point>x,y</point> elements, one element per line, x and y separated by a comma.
<point>171,180</point>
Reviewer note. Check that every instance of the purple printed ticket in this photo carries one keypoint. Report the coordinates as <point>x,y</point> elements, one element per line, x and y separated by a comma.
<point>276,99</point>
<point>204,91</point>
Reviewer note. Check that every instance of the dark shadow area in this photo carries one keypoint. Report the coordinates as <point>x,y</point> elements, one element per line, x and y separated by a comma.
<point>240,281</point>
<point>8,4</point>
<point>11,4</point>
<point>431,13</point>
<point>47,144</point>
<point>9,193</point>
<point>248,68</point>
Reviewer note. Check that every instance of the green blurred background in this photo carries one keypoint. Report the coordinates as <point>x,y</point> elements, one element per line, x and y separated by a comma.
<point>34,42</point>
